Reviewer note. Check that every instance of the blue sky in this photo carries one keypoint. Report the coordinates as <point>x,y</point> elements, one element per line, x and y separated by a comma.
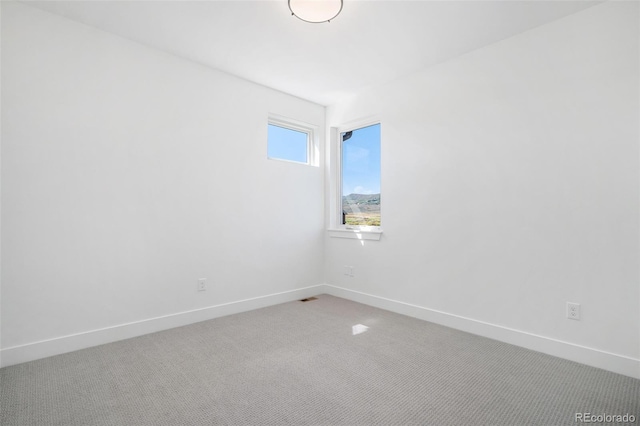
<point>361,162</point>
<point>360,156</point>
<point>286,144</point>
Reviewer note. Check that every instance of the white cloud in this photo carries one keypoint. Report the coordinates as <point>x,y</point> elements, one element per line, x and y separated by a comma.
<point>356,153</point>
<point>361,190</point>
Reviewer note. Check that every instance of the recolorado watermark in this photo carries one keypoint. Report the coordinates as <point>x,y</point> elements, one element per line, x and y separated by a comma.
<point>604,418</point>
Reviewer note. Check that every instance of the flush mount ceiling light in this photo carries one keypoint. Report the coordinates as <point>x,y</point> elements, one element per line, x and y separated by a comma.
<point>315,11</point>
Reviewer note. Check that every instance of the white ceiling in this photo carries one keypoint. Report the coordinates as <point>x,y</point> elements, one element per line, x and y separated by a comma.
<point>370,42</point>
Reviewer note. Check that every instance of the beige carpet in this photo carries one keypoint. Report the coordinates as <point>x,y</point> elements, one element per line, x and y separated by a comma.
<point>299,363</point>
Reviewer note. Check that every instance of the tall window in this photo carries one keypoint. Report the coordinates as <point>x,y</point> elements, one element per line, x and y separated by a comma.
<point>360,172</point>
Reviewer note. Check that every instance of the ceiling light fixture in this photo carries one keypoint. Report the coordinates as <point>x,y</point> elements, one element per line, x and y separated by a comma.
<point>315,11</point>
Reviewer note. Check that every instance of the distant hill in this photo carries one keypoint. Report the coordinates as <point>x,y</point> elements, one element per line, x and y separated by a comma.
<point>369,203</point>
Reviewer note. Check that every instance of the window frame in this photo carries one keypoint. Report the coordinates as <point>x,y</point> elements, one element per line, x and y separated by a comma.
<point>298,126</point>
<point>336,227</point>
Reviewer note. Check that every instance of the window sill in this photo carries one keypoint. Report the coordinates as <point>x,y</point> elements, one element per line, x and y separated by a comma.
<point>357,234</point>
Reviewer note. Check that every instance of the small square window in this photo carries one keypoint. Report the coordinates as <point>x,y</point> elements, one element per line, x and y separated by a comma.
<point>290,141</point>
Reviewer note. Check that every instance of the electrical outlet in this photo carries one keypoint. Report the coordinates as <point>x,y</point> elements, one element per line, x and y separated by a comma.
<point>348,271</point>
<point>202,284</point>
<point>573,311</point>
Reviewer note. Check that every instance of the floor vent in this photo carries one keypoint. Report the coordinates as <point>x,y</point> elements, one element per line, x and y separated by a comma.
<point>308,299</point>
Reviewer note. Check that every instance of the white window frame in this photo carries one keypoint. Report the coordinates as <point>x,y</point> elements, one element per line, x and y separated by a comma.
<point>313,139</point>
<point>336,227</point>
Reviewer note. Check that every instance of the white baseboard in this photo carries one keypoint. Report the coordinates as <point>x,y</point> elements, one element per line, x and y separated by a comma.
<point>584,355</point>
<point>596,358</point>
<point>59,345</point>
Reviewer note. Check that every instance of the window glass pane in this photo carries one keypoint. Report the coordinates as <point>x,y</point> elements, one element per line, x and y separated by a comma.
<point>361,176</point>
<point>287,144</point>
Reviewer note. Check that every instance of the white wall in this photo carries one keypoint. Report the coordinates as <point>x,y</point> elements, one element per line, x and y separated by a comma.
<point>510,186</point>
<point>127,174</point>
